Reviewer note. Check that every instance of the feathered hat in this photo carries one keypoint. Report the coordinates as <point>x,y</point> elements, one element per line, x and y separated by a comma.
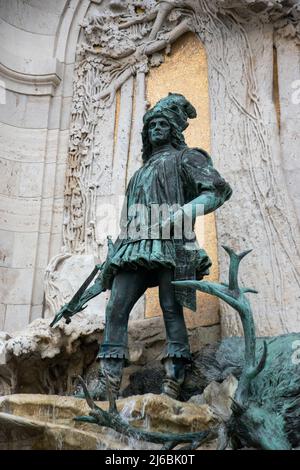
<point>174,107</point>
<point>177,110</point>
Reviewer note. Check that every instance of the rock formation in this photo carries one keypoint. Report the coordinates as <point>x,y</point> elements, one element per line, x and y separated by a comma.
<point>42,422</point>
<point>40,359</point>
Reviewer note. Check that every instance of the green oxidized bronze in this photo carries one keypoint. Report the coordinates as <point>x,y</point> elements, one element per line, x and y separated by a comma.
<point>266,404</point>
<point>154,251</point>
<point>174,185</point>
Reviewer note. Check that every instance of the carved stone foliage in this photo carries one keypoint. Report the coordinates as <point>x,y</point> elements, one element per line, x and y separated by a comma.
<point>110,52</point>
<point>117,43</point>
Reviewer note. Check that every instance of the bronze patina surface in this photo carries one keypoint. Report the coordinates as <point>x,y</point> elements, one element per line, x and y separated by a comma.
<point>157,242</point>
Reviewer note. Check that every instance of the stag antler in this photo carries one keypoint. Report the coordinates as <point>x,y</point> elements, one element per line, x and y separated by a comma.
<point>113,420</point>
<point>234,295</point>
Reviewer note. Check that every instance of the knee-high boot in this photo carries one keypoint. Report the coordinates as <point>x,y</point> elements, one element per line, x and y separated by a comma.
<point>111,371</point>
<point>174,378</point>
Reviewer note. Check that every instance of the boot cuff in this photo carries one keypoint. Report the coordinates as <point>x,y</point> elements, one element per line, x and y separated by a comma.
<point>177,350</point>
<point>115,351</point>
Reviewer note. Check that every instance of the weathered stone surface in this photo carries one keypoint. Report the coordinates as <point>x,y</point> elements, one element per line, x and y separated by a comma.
<point>45,360</point>
<point>288,58</point>
<point>21,179</point>
<point>4,336</point>
<point>64,275</point>
<point>25,42</point>
<point>31,16</point>
<point>23,111</point>
<point>19,214</point>
<point>40,359</point>
<point>22,145</point>
<point>219,396</point>
<point>214,362</point>
<point>150,333</point>
<point>42,47</point>
<point>164,414</point>
<point>2,315</point>
<point>63,278</point>
<point>46,421</point>
<point>146,343</point>
<point>15,286</point>
<point>260,207</point>
<point>23,258</point>
<point>29,72</point>
<point>16,317</point>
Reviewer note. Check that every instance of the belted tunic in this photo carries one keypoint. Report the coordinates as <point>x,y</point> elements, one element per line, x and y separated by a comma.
<point>168,180</point>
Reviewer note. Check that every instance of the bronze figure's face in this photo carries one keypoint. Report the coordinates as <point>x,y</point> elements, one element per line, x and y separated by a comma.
<point>159,131</point>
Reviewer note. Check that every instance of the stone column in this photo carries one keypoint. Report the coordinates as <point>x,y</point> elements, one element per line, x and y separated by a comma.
<point>29,74</point>
<point>38,43</point>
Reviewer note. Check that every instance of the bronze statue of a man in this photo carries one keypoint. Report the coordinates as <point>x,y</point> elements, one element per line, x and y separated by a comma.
<point>172,175</point>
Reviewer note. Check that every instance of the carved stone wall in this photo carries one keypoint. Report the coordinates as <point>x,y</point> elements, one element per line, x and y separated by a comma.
<point>117,42</point>
<point>38,48</point>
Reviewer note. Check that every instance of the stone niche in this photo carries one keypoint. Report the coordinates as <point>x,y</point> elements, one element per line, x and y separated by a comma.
<point>185,71</point>
<point>114,132</point>
<point>79,75</point>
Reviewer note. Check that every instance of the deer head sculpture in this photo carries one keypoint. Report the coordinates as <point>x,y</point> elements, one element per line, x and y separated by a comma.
<point>254,422</point>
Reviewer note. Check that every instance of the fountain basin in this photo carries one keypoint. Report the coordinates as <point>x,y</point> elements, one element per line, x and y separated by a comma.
<point>35,421</point>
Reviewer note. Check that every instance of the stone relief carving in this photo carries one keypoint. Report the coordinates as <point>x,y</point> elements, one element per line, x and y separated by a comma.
<point>121,41</point>
<point>109,54</point>
<point>116,45</point>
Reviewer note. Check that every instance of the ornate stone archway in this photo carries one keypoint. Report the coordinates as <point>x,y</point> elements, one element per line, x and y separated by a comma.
<point>258,158</point>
